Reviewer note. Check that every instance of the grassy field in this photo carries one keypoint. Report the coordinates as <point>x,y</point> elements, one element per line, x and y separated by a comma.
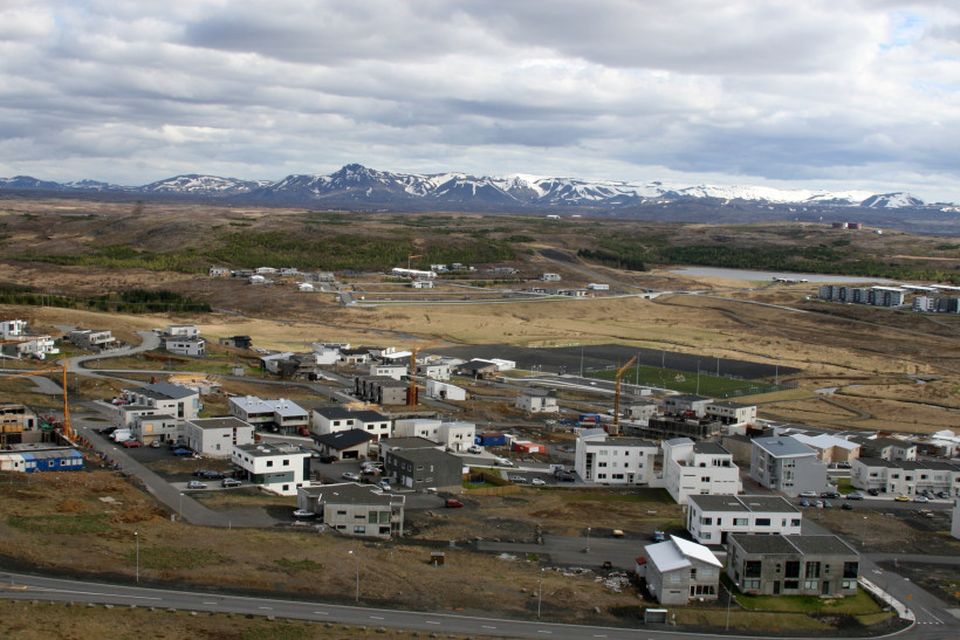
<point>856,605</point>
<point>686,382</point>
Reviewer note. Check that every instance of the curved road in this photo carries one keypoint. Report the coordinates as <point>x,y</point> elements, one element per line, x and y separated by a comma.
<point>28,587</point>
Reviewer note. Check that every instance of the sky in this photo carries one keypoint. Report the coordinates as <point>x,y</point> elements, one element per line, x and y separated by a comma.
<point>855,94</point>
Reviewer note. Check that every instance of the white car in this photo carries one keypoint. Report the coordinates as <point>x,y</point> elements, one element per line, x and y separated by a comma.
<point>350,475</point>
<point>384,485</point>
<point>504,462</point>
<point>474,449</point>
<point>538,482</point>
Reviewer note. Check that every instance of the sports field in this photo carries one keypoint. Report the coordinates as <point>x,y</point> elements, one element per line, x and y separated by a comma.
<point>686,382</point>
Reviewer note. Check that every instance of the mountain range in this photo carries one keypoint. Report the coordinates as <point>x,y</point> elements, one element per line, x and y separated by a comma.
<point>355,186</point>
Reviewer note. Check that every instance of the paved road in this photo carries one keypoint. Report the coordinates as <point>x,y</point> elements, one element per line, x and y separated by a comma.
<point>27,587</point>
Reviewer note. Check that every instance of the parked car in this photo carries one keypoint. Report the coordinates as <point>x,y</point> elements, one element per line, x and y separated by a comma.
<point>832,495</point>
<point>196,484</point>
<point>804,503</point>
<point>818,504</point>
<point>230,482</point>
<point>453,503</point>
<point>808,494</point>
<point>350,475</point>
<point>873,492</point>
<point>943,495</point>
<point>303,513</point>
<point>921,499</point>
<point>856,495</point>
<point>328,459</point>
<point>505,462</point>
<point>567,476</point>
<point>474,449</point>
<point>131,444</point>
<point>659,536</point>
<point>902,498</point>
<point>518,480</point>
<point>385,485</point>
<point>827,504</point>
<point>208,474</point>
<point>182,451</point>
<point>538,482</point>
<point>846,506</point>
<point>155,444</point>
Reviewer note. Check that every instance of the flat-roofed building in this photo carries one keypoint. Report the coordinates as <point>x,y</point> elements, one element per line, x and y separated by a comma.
<point>601,459</point>
<point>278,467</point>
<point>785,464</point>
<point>698,468</point>
<point>355,510</point>
<point>710,519</point>
<point>905,477</point>
<point>809,565</point>
<point>216,437</point>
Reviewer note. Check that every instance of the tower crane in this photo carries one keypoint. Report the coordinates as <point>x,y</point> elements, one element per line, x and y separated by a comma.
<point>615,427</point>
<point>61,369</point>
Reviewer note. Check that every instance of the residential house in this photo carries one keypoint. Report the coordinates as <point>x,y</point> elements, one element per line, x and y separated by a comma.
<point>149,427</point>
<point>401,443</point>
<point>550,277</point>
<point>434,370</point>
<point>193,347</point>
<point>424,469</point>
<point>326,420</point>
<point>427,428</point>
<point>457,436</point>
<point>394,371</point>
<point>534,400</point>
<point>892,449</point>
<point>604,460</point>
<point>698,468</point>
<point>93,339</point>
<point>12,329</point>
<point>641,412</point>
<point>677,571</point>
<point>271,361</point>
<point>711,519</point>
<point>686,405</point>
<point>732,413</point>
<point>380,390</point>
<point>174,400</point>
<point>38,347</point>
<point>785,464</point>
<point>352,444</point>
<point>278,467</point>
<point>216,437</point>
<point>445,391</point>
<point>905,477</point>
<point>830,449</point>
<point>182,331</point>
<point>237,342</point>
<point>808,565</point>
<point>269,413</point>
<point>477,369</point>
<point>356,510</point>
<point>357,355</point>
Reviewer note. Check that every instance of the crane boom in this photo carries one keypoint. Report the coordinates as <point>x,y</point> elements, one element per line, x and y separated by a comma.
<point>62,369</point>
<point>615,428</point>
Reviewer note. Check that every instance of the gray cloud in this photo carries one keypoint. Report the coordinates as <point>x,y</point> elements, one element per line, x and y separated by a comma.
<point>859,94</point>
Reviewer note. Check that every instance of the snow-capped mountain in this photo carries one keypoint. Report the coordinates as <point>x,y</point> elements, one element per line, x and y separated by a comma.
<point>357,186</point>
<point>193,183</point>
<point>896,200</point>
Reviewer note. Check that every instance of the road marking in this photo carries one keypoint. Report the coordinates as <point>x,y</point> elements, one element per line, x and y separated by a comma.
<point>94,593</point>
<point>432,622</point>
<point>544,631</point>
<point>207,602</point>
<point>321,613</point>
<point>599,635</point>
<point>488,626</point>
<point>930,613</point>
<point>376,617</point>
<point>266,608</point>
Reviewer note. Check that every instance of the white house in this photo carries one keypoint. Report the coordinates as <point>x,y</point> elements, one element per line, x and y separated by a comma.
<point>182,331</point>
<point>445,391</point>
<point>698,468</point>
<point>598,286</point>
<point>173,400</point>
<point>395,371</point>
<point>354,509</point>
<point>457,436</point>
<point>732,413</point>
<point>38,347</point>
<point>905,477</point>
<point>194,347</point>
<point>686,405</point>
<point>537,401</point>
<point>550,277</point>
<point>281,468</point>
<point>604,460</point>
<point>216,437</point>
<point>677,571</point>
<point>281,413</point>
<point>333,419</point>
<point>422,284</point>
<point>417,428</point>
<point>711,518</point>
<point>13,328</point>
<point>434,370</point>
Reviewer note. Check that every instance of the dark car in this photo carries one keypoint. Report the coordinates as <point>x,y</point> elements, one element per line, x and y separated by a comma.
<point>832,495</point>
<point>846,506</point>
<point>182,451</point>
<point>567,477</point>
<point>873,492</point>
<point>207,474</point>
<point>131,444</point>
<point>453,503</point>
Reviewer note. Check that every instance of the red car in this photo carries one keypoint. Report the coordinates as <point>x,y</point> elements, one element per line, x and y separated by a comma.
<point>131,444</point>
<point>453,503</point>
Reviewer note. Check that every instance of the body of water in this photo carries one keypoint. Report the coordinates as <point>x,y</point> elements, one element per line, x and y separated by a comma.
<point>750,275</point>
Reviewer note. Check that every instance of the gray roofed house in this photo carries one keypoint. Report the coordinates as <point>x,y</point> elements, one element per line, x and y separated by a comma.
<point>711,519</point>
<point>351,444</point>
<point>783,463</point>
<point>424,468</point>
<point>165,391</point>
<point>354,509</point>
<point>216,437</point>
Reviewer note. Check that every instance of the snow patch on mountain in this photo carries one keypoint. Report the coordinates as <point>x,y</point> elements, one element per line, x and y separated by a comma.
<point>897,200</point>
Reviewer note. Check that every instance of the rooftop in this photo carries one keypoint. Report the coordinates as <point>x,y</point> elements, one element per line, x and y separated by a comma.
<point>710,448</point>
<point>688,398</point>
<point>743,504</point>
<point>165,391</point>
<point>427,455</point>
<point>282,407</point>
<point>676,553</point>
<point>225,422</point>
<point>729,404</point>
<point>777,544</point>
<point>341,413</point>
<point>350,493</point>
<point>271,449</point>
<point>932,465</point>
<point>825,441</point>
<point>414,442</point>
<point>341,440</point>
<point>621,442</point>
<point>783,447</point>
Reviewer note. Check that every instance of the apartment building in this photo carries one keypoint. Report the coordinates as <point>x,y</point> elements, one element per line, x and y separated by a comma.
<point>281,468</point>
<point>698,468</point>
<point>785,464</point>
<point>355,510</point>
<point>711,519</point>
<point>604,460</point>
<point>905,477</point>
<point>333,419</point>
<point>809,565</point>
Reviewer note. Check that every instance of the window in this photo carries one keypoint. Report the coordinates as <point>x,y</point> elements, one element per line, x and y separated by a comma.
<point>359,529</point>
<point>740,522</point>
<point>752,568</point>
<point>618,476</point>
<point>706,520</point>
<point>851,570</point>
<point>812,570</point>
<point>763,522</point>
<point>286,463</point>
<point>811,585</point>
<point>601,464</point>
<point>693,573</point>
<point>848,584</point>
<point>601,476</point>
<point>791,584</point>
<point>341,512</point>
<point>795,522</point>
<point>269,463</point>
<point>792,569</point>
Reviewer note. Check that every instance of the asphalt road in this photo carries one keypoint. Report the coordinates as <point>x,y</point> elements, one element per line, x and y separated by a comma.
<point>27,587</point>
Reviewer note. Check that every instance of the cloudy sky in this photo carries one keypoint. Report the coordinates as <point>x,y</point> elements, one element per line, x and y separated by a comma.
<point>858,94</point>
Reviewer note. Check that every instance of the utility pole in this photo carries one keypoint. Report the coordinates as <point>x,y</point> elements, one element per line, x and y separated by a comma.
<point>357,557</point>
<point>540,594</point>
<point>136,537</point>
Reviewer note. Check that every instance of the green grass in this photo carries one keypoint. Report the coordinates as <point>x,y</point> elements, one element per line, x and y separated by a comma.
<point>845,485</point>
<point>293,565</point>
<point>641,496</point>
<point>69,524</point>
<point>856,605</point>
<point>175,557</point>
<point>686,382</point>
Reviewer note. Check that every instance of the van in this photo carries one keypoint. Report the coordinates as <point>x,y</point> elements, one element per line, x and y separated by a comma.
<point>122,435</point>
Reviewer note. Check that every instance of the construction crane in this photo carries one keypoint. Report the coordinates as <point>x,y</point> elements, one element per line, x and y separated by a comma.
<point>411,257</point>
<point>615,427</point>
<point>413,392</point>
<point>61,369</point>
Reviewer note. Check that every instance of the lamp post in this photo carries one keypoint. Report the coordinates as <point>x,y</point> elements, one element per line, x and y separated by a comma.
<point>588,540</point>
<point>357,557</point>
<point>540,594</point>
<point>180,508</point>
<point>136,538</point>
<point>729,600</point>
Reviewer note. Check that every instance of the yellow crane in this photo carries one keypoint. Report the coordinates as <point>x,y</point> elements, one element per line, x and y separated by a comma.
<point>61,369</point>
<point>615,427</point>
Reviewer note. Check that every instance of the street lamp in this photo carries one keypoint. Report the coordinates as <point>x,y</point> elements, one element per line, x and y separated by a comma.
<point>588,540</point>
<point>540,594</point>
<point>729,599</point>
<point>180,508</point>
<point>136,537</point>
<point>357,556</point>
